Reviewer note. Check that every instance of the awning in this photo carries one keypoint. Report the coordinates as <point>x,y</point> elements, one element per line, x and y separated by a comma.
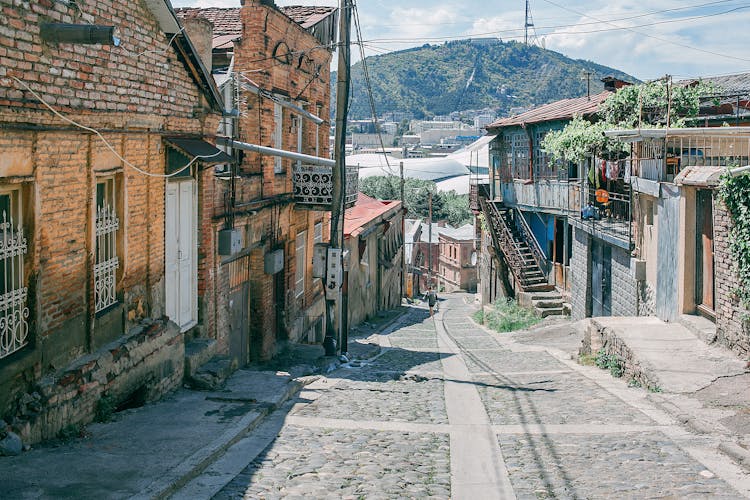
<point>198,148</point>
<point>700,176</point>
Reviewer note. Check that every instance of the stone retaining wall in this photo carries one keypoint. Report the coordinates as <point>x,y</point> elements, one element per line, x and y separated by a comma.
<point>141,366</point>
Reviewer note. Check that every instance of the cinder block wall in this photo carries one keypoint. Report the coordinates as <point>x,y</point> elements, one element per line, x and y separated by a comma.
<point>580,270</point>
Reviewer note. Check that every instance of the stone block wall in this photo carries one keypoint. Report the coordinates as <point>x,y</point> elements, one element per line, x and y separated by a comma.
<point>580,271</point>
<point>732,319</point>
<point>624,285</point>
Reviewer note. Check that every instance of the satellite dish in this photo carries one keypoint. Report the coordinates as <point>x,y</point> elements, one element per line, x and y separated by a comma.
<point>473,258</point>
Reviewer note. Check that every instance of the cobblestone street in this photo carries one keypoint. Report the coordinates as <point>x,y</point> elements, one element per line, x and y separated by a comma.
<point>449,410</point>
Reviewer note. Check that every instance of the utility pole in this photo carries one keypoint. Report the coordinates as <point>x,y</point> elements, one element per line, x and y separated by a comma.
<point>429,245</point>
<point>669,97</point>
<point>403,228</point>
<point>588,84</point>
<point>339,175</point>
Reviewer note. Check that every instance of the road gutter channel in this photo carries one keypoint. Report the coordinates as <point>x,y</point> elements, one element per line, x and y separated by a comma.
<point>477,466</point>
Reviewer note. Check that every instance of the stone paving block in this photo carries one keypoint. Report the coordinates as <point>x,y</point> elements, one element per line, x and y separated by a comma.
<point>642,465</point>
<point>403,360</point>
<point>507,361</point>
<point>397,401</point>
<point>557,398</point>
<point>342,463</point>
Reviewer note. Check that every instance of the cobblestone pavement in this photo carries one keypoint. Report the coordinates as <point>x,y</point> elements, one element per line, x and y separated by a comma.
<point>393,427</point>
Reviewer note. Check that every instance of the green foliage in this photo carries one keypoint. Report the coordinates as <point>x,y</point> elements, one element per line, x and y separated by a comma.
<point>450,207</point>
<point>432,79</point>
<point>609,362</point>
<point>105,407</point>
<point>649,101</point>
<point>479,316</point>
<point>735,193</point>
<point>579,140</point>
<point>508,316</point>
<point>642,105</point>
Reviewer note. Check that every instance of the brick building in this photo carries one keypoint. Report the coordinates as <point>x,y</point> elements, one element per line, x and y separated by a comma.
<point>272,65</point>
<point>96,249</point>
<point>373,235</point>
<point>458,259</point>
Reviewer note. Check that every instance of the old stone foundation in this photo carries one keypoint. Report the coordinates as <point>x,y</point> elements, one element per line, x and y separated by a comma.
<point>137,368</point>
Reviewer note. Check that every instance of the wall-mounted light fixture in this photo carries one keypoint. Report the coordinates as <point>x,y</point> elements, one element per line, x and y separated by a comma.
<point>78,33</point>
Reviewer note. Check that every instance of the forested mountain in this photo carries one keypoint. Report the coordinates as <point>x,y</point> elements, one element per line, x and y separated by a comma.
<point>456,76</point>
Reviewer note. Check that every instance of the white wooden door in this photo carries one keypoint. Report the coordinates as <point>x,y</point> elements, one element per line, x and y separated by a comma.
<point>180,254</point>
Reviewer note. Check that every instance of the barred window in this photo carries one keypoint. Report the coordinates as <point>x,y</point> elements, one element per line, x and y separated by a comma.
<point>14,313</point>
<point>278,119</point>
<point>107,262</point>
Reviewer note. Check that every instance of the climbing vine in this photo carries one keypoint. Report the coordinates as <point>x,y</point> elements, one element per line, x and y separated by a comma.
<point>644,105</point>
<point>735,193</point>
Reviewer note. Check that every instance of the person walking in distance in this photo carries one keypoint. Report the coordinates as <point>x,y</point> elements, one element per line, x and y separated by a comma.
<point>432,300</point>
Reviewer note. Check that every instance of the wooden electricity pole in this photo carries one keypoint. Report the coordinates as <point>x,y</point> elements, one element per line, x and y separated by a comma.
<point>339,172</point>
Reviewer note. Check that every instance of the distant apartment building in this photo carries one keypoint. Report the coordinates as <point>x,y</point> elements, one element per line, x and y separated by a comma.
<point>481,121</point>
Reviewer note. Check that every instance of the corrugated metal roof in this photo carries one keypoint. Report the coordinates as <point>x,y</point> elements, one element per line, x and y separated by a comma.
<point>559,110</point>
<point>700,176</point>
<point>463,233</point>
<point>364,211</point>
<point>737,83</point>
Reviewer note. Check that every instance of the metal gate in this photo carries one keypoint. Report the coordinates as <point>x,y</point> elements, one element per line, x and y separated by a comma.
<point>601,278</point>
<point>238,271</point>
<point>668,243</point>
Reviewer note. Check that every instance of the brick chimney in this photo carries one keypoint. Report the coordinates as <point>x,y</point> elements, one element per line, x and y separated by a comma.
<point>201,33</point>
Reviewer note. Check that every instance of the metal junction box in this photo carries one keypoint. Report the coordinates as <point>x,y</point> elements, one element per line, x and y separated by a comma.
<point>334,273</point>
<point>230,241</point>
<point>273,262</point>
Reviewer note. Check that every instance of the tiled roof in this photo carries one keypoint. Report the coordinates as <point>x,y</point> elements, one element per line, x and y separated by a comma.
<point>307,17</point>
<point>558,110</point>
<point>225,21</point>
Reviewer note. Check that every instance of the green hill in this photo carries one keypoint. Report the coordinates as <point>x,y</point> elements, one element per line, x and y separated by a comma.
<point>456,76</point>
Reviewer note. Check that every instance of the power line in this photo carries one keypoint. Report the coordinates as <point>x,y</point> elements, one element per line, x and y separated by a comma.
<point>368,85</point>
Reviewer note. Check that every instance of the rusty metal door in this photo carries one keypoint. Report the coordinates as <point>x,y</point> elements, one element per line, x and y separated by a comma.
<point>239,309</point>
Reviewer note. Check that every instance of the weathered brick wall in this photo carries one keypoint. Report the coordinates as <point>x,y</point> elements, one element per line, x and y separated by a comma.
<point>134,95</point>
<point>580,270</point>
<point>732,324</point>
<point>624,285</point>
<point>137,77</point>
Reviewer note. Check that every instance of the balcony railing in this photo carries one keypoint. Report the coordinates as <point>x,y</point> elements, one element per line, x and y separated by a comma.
<point>313,187</point>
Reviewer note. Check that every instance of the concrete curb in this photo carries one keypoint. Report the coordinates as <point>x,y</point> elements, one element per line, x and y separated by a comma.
<point>737,453</point>
<point>197,463</point>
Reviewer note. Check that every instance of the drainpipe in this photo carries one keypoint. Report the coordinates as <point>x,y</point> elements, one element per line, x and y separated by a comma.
<point>734,172</point>
<point>312,160</point>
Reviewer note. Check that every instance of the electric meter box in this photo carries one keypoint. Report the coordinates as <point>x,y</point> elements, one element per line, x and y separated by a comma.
<point>334,273</point>
<point>230,241</point>
<point>320,252</point>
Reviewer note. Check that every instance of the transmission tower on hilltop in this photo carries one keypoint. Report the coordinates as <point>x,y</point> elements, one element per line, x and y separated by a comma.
<point>529,23</point>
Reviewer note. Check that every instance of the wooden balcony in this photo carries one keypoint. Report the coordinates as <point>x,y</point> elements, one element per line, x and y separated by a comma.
<point>541,195</point>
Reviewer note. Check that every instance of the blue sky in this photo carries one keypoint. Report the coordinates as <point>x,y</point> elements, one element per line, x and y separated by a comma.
<point>684,38</point>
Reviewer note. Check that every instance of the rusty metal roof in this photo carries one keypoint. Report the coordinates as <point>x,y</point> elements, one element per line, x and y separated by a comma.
<point>564,109</point>
<point>364,211</point>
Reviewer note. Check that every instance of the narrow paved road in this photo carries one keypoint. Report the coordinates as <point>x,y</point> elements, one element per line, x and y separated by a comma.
<point>451,410</point>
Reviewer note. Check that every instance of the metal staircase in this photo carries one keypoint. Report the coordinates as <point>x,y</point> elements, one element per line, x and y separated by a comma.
<point>513,239</point>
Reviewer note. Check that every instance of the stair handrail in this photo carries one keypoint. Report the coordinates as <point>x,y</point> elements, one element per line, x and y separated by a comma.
<point>503,239</point>
<point>527,234</point>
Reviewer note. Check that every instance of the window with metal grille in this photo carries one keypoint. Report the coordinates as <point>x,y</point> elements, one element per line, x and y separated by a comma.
<point>107,262</point>
<point>318,233</point>
<point>299,271</point>
<point>14,313</point>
